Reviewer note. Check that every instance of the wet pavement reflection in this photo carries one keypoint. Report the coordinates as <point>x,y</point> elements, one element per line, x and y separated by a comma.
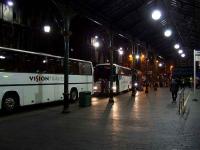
<point>146,121</point>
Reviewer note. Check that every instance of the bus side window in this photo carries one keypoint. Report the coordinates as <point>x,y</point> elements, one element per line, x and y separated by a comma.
<point>53,65</point>
<point>29,63</point>
<point>50,65</point>
<point>10,61</point>
<point>73,67</point>
<point>43,64</point>
<point>85,68</point>
<point>58,65</point>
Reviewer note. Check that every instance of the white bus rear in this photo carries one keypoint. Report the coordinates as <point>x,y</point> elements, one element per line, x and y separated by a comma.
<point>121,78</point>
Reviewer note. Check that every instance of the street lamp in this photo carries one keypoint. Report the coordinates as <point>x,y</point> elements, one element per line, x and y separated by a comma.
<point>160,64</point>
<point>130,57</point>
<point>2,57</point>
<point>96,44</point>
<point>120,50</point>
<point>47,28</point>
<point>171,67</point>
<point>10,3</point>
<point>137,56</point>
<point>142,57</point>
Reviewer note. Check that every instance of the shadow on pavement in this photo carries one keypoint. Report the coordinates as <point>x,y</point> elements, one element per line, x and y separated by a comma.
<point>172,105</point>
<point>31,108</point>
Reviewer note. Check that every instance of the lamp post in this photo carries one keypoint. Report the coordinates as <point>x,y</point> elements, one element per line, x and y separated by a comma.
<point>67,13</point>
<point>66,35</point>
<point>121,52</point>
<point>96,44</point>
<point>111,100</point>
<point>156,68</point>
<point>132,69</point>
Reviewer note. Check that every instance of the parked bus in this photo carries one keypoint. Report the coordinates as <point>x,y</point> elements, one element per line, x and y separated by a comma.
<point>121,78</point>
<point>32,78</point>
<point>138,80</point>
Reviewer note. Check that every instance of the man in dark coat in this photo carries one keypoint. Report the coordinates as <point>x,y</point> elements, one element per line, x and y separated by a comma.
<point>174,89</point>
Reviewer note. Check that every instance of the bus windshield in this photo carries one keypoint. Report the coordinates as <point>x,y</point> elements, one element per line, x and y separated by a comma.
<point>101,72</point>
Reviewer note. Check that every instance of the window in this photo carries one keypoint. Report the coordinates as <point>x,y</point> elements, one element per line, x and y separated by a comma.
<point>85,68</point>
<point>73,67</point>
<point>10,61</point>
<point>54,65</point>
<point>124,71</point>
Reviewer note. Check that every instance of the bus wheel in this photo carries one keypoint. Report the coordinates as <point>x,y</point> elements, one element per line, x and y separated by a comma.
<point>73,95</point>
<point>9,104</point>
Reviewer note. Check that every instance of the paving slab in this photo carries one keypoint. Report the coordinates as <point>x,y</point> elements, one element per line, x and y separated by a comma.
<point>146,122</point>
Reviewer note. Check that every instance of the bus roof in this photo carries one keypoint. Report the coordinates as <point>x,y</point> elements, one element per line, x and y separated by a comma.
<point>107,64</point>
<point>39,53</point>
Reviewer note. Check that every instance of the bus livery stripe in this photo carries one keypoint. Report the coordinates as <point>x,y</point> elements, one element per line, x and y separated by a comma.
<point>43,84</point>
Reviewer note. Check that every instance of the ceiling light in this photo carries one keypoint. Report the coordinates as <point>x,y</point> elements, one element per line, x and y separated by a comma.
<point>10,3</point>
<point>180,51</point>
<point>176,46</point>
<point>137,56</point>
<point>121,52</point>
<point>47,28</point>
<point>44,61</point>
<point>182,55</point>
<point>160,64</point>
<point>168,32</point>
<point>156,14</point>
<point>2,57</point>
<point>96,44</point>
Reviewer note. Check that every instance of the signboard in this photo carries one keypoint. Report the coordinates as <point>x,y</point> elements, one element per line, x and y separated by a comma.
<point>197,58</point>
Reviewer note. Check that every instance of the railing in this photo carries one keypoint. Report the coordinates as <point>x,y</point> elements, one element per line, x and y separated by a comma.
<point>181,101</point>
<point>183,96</point>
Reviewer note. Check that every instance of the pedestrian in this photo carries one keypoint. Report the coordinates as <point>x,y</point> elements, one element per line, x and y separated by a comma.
<point>155,86</point>
<point>174,87</point>
<point>146,87</point>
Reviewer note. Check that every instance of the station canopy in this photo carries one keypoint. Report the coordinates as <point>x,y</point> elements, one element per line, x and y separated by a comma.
<point>133,18</point>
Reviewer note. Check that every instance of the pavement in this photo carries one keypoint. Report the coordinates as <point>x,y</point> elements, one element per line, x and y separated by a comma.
<point>146,122</point>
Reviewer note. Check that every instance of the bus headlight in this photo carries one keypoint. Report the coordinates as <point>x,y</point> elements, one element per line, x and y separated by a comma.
<point>114,88</point>
<point>95,88</point>
<point>135,84</point>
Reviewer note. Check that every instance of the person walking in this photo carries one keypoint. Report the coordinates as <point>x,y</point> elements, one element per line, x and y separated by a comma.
<point>174,87</point>
<point>147,87</point>
<point>155,86</point>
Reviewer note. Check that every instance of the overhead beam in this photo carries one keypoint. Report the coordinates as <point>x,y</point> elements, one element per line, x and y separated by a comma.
<point>132,9</point>
<point>193,4</point>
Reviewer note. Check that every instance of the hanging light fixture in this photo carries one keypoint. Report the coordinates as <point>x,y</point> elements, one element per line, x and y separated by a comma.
<point>156,14</point>
<point>168,32</point>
